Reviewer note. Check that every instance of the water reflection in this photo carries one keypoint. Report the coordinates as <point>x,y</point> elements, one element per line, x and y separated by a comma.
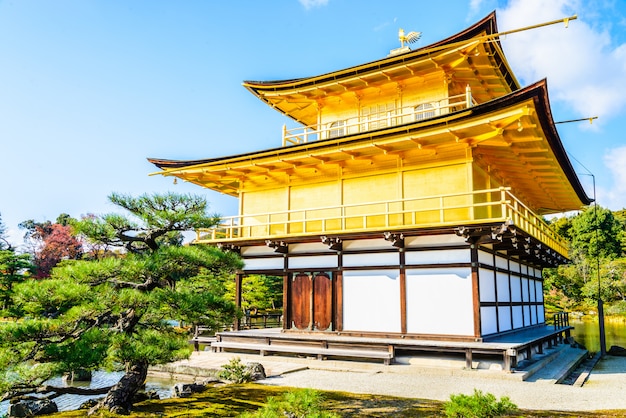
<point>99,379</point>
<point>587,333</point>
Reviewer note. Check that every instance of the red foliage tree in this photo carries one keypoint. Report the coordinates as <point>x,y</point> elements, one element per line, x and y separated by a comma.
<point>50,243</point>
<point>58,244</point>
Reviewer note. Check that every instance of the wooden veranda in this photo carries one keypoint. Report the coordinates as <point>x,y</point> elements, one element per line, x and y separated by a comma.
<point>510,348</point>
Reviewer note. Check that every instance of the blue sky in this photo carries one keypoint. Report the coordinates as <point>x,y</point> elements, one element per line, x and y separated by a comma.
<point>90,88</point>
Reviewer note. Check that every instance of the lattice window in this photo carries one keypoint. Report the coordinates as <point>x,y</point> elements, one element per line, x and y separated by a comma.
<point>424,111</point>
<point>336,129</point>
<point>379,116</point>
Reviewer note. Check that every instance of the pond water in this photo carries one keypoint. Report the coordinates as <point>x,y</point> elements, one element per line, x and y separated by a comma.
<point>587,333</point>
<point>100,379</point>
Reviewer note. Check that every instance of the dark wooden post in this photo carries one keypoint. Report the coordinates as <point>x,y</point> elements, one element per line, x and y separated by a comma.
<point>475,290</point>
<point>238,280</point>
<point>286,301</point>
<point>403,326</point>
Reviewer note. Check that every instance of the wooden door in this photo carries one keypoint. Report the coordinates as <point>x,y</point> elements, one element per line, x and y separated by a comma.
<point>322,302</point>
<point>300,297</point>
<point>311,306</point>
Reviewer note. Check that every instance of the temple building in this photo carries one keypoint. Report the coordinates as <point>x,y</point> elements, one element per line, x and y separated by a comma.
<point>408,201</point>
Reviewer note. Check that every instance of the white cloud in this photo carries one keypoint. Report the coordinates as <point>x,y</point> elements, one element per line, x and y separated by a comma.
<point>585,70</point>
<point>310,4</point>
<point>615,160</point>
<point>475,5</point>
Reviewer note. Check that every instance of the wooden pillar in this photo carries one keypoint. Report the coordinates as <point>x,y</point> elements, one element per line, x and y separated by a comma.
<point>468,358</point>
<point>338,296</point>
<point>338,293</point>
<point>286,300</point>
<point>475,289</point>
<point>403,326</point>
<point>238,280</point>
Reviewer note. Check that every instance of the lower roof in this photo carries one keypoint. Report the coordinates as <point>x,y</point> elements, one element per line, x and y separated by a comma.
<point>513,136</point>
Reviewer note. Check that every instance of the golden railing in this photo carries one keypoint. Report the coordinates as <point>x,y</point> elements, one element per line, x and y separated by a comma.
<point>455,209</point>
<point>383,119</point>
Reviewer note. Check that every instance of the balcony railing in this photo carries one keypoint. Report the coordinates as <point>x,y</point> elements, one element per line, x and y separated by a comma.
<point>457,209</point>
<point>385,119</point>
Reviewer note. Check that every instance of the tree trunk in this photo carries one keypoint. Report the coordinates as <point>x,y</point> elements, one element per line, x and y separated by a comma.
<point>119,399</point>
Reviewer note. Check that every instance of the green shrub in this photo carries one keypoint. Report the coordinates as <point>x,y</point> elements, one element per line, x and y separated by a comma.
<point>235,371</point>
<point>305,403</point>
<point>478,405</point>
<point>616,308</point>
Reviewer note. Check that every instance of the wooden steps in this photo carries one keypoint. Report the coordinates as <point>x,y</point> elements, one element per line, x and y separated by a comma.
<point>321,352</point>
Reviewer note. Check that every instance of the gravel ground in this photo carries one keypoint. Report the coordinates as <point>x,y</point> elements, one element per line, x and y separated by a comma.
<point>605,388</point>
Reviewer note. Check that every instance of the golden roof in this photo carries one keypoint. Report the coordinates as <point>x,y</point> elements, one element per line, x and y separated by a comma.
<point>514,135</point>
<point>472,57</point>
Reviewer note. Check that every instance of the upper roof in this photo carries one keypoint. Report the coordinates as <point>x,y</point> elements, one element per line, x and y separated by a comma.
<point>472,57</point>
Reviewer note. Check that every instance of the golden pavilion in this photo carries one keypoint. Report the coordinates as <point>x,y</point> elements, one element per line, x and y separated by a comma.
<point>407,205</point>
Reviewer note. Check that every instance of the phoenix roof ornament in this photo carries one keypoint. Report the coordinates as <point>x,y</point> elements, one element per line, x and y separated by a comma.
<point>410,37</point>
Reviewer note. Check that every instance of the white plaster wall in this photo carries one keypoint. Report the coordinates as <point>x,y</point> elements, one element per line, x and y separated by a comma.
<point>514,266</point>
<point>318,261</point>
<point>439,301</point>
<point>371,301</point>
<point>504,318</point>
<point>488,320</point>
<point>532,291</point>
<point>516,289</point>
<point>486,285</point>
<point>309,247</point>
<point>541,314</point>
<point>264,263</point>
<point>257,250</point>
<point>432,240</point>
<point>371,259</point>
<point>518,320</point>
<point>485,258</point>
<point>366,244</point>
<point>525,295</point>
<point>502,262</point>
<point>526,315</point>
<point>502,280</point>
<point>436,257</point>
<point>539,290</point>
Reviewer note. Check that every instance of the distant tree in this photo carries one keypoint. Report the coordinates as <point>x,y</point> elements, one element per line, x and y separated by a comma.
<point>14,268</point>
<point>4,243</point>
<point>116,312</point>
<point>258,292</point>
<point>51,242</point>
<point>93,249</point>
<point>614,272</point>
<point>620,216</point>
<point>595,232</point>
<point>563,226</point>
<point>597,238</point>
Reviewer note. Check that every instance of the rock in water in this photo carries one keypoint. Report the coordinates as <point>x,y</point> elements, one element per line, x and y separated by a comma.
<point>616,350</point>
<point>184,390</point>
<point>257,371</point>
<point>32,407</point>
<point>80,375</point>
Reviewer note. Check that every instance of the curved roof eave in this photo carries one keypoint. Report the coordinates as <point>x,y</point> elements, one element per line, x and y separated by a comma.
<point>537,92</point>
<point>487,25</point>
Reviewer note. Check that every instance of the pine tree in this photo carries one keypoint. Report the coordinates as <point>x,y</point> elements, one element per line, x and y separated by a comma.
<point>117,312</point>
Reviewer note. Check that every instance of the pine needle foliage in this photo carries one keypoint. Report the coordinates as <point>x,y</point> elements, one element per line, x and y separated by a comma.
<point>478,405</point>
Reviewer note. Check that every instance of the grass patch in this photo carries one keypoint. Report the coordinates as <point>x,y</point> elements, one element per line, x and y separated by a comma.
<point>234,400</point>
